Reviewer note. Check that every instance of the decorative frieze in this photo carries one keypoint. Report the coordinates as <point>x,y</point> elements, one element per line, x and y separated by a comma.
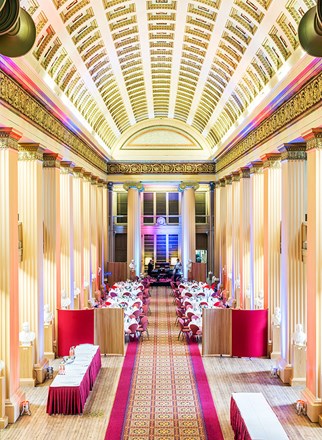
<point>293,151</point>
<point>20,100</point>
<point>301,103</point>
<point>161,168</point>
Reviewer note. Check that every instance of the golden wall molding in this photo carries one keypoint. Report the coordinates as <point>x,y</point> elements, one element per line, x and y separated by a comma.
<point>161,168</point>
<point>300,104</point>
<point>293,151</point>
<point>23,103</point>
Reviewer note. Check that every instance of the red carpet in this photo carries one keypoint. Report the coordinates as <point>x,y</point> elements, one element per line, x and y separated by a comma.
<point>115,426</point>
<point>207,404</point>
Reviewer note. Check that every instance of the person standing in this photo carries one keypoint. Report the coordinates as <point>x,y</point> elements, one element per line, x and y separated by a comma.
<point>177,271</point>
<point>150,267</point>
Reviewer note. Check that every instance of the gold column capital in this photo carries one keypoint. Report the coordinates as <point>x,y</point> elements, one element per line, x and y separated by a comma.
<point>133,185</point>
<point>78,172</point>
<point>110,186</point>
<point>256,167</point>
<point>244,172</point>
<point>228,179</point>
<point>293,151</point>
<point>235,175</point>
<point>186,185</point>
<point>52,160</point>
<point>94,180</point>
<point>9,138</point>
<point>313,139</point>
<point>271,160</point>
<point>222,182</point>
<point>66,167</point>
<point>30,151</point>
<point>100,183</point>
<point>87,176</point>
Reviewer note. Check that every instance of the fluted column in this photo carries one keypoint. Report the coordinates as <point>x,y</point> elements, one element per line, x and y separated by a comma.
<point>256,235</point>
<point>188,215</point>
<point>272,234</point>
<point>105,229</point>
<point>217,231</point>
<point>244,238</point>
<point>67,231</point>
<point>9,293</point>
<point>134,224</point>
<point>293,291</point>
<point>31,214</point>
<point>110,255</point>
<point>78,228</point>
<point>229,238</point>
<point>211,237</point>
<point>87,185</point>
<point>52,287</point>
<point>235,291</point>
<point>100,238</point>
<point>223,214</point>
<point>94,237</point>
<point>313,392</point>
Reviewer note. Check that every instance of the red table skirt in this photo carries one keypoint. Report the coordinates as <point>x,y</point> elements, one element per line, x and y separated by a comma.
<point>237,422</point>
<point>71,400</point>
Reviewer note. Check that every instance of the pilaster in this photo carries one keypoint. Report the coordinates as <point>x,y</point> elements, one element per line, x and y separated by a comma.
<point>78,227</point>
<point>9,292</point>
<point>94,235</point>
<point>110,222</point>
<point>223,217</point>
<point>105,229</point>
<point>235,293</point>
<point>229,238</point>
<point>217,231</point>
<point>100,238</point>
<point>31,284</point>
<point>293,286</point>
<point>87,236</point>
<point>244,238</point>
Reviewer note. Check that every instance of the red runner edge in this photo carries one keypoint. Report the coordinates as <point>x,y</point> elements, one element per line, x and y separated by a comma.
<point>117,417</point>
<point>210,416</point>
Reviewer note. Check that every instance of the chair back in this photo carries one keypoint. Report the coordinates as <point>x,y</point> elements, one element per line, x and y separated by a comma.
<point>144,322</point>
<point>194,328</point>
<point>133,327</point>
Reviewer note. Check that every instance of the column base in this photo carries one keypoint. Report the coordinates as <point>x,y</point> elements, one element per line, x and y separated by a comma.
<point>50,355</point>
<point>285,372</point>
<point>27,382</point>
<point>3,422</point>
<point>313,406</point>
<point>275,355</point>
<point>12,405</point>
<point>41,370</point>
<point>297,381</point>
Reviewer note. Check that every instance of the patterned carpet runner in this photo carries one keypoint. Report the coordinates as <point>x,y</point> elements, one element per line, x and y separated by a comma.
<point>163,392</point>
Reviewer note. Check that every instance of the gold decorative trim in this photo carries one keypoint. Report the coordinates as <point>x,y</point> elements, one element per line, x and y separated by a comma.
<point>51,160</point>
<point>161,168</point>
<point>296,107</point>
<point>30,152</point>
<point>222,182</point>
<point>228,179</point>
<point>256,167</point>
<point>313,139</point>
<point>271,160</point>
<point>293,151</point>
<point>244,173</point>
<point>88,177</point>
<point>235,175</point>
<point>78,172</point>
<point>187,185</point>
<point>134,185</point>
<point>66,167</point>
<point>18,99</point>
<point>9,138</point>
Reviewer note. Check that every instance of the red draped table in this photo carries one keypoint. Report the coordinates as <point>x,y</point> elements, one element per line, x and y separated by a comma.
<point>68,393</point>
<point>252,418</point>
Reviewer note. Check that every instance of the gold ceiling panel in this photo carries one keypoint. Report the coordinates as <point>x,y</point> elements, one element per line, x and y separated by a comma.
<point>201,61</point>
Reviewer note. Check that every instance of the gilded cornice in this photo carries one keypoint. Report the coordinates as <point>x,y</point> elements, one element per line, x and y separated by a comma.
<point>94,180</point>
<point>228,179</point>
<point>78,172</point>
<point>256,167</point>
<point>186,185</point>
<point>9,138</point>
<point>235,175</point>
<point>133,185</point>
<point>271,160</point>
<point>87,177</point>
<point>25,104</point>
<point>301,103</point>
<point>161,168</point>
<point>244,173</point>
<point>30,152</point>
<point>51,160</point>
<point>313,139</point>
<point>222,182</point>
<point>293,151</point>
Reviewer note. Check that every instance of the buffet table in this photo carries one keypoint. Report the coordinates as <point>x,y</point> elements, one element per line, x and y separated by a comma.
<point>252,418</point>
<point>68,393</point>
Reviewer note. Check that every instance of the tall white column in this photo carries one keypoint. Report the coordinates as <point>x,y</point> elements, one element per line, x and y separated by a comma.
<point>110,255</point>
<point>293,289</point>
<point>235,292</point>
<point>229,230</point>
<point>134,224</point>
<point>211,237</point>
<point>223,214</point>
<point>87,185</point>
<point>188,215</point>
<point>94,237</point>
<point>9,292</point>
<point>100,237</point>
<point>105,229</point>
<point>217,231</point>
<point>67,231</point>
<point>313,392</point>
<point>257,235</point>
<point>244,238</point>
<point>272,234</point>
<point>31,214</point>
<point>52,287</point>
<point>78,228</point>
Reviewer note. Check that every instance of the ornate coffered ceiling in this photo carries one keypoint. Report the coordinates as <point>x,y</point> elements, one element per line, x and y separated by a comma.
<point>201,64</point>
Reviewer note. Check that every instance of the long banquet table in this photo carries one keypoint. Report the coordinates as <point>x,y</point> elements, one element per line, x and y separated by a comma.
<point>68,393</point>
<point>252,418</point>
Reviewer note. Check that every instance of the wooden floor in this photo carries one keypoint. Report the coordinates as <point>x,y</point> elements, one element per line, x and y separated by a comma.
<point>225,375</point>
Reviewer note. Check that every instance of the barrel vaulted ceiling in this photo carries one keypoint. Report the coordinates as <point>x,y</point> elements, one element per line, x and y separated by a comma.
<point>196,65</point>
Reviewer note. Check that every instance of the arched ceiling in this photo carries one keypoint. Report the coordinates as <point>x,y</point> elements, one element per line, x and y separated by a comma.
<point>201,63</point>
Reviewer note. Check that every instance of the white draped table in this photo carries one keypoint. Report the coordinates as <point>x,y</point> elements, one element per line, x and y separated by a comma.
<point>252,418</point>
